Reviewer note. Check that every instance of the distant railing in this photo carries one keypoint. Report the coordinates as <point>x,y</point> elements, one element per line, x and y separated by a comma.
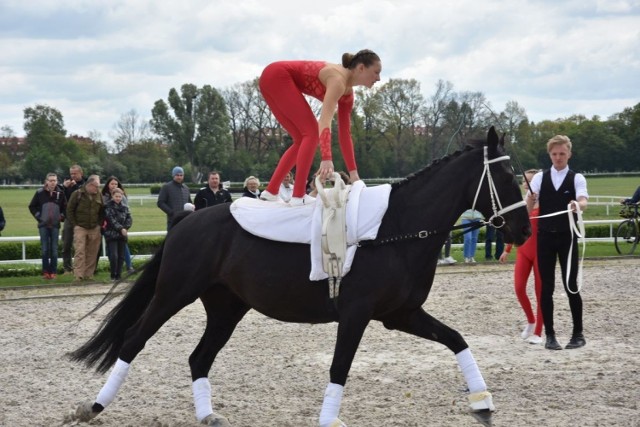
<point>25,239</point>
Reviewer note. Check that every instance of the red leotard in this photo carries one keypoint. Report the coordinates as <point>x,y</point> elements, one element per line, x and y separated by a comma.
<point>282,85</point>
<point>526,260</point>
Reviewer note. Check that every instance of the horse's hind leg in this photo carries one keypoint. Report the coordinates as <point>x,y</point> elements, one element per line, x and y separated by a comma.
<point>159,311</point>
<point>420,323</point>
<point>224,311</point>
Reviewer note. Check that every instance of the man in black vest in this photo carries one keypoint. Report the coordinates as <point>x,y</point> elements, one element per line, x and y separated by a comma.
<point>555,189</point>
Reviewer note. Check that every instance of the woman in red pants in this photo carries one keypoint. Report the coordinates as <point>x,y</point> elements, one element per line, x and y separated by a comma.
<point>283,85</point>
<point>527,260</point>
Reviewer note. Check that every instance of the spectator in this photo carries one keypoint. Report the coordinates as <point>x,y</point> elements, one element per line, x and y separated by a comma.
<point>173,196</point>
<point>446,258</point>
<point>71,184</point>
<point>85,211</point>
<point>526,261</point>
<point>118,224</point>
<point>109,186</point>
<point>2,221</point>
<point>47,207</point>
<point>286,188</point>
<point>312,191</point>
<point>633,199</point>
<point>493,234</point>
<point>251,187</point>
<point>283,85</point>
<point>212,194</point>
<point>554,189</point>
<point>470,237</point>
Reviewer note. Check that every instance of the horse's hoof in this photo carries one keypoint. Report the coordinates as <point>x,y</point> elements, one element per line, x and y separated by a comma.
<point>82,413</point>
<point>215,420</point>
<point>481,401</point>
<point>483,417</point>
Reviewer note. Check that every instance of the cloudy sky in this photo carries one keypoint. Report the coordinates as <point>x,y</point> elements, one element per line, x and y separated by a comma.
<point>96,59</point>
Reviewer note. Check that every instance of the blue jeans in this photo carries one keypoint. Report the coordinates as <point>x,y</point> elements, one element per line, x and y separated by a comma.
<point>470,240</point>
<point>49,247</point>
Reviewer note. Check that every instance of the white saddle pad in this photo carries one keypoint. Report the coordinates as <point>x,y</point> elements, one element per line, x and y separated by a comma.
<point>303,224</point>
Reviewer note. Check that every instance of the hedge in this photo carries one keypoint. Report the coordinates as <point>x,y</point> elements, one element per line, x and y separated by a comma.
<point>13,250</point>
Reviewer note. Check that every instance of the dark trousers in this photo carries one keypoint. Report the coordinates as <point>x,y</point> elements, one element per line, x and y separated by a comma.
<point>552,247</point>
<point>116,257</point>
<point>493,235</point>
<point>67,246</point>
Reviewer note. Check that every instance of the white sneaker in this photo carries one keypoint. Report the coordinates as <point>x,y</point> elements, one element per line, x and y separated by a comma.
<point>473,260</point>
<point>449,260</point>
<point>441,261</point>
<point>527,331</point>
<point>268,197</point>
<point>535,339</point>
<point>302,201</point>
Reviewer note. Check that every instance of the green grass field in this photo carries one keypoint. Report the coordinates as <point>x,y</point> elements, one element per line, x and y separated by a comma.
<point>147,216</point>
<point>15,204</point>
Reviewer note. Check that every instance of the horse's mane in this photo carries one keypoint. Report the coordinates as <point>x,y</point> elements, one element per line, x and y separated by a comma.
<point>471,144</point>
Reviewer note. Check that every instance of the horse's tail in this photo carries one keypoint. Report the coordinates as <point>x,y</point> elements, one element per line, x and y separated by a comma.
<point>105,344</point>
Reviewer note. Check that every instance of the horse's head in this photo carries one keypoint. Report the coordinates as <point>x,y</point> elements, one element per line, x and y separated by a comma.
<point>498,196</point>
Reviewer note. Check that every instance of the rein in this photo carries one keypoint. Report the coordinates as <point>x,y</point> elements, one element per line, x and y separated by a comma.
<point>496,220</point>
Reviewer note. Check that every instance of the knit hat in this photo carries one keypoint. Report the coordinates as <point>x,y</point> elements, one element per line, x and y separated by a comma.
<point>177,170</point>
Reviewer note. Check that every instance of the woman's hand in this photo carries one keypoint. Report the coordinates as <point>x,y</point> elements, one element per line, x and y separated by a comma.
<point>326,170</point>
<point>353,176</point>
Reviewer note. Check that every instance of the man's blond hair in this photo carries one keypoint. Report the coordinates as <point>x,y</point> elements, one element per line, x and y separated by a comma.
<point>558,140</point>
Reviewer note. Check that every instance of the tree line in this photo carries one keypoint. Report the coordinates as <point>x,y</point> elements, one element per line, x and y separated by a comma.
<point>396,131</point>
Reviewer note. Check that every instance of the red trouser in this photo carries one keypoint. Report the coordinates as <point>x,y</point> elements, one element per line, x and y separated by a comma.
<point>526,260</point>
<point>291,109</point>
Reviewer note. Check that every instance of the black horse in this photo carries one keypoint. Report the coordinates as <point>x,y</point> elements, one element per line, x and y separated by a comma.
<point>389,280</point>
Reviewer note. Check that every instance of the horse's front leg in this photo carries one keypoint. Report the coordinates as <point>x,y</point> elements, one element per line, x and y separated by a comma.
<point>418,322</point>
<point>352,324</point>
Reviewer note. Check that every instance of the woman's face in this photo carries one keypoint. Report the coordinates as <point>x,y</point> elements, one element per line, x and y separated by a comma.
<point>117,197</point>
<point>113,184</point>
<point>252,185</point>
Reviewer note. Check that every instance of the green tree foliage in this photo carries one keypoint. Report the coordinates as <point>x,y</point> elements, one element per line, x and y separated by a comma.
<point>195,126</point>
<point>48,148</point>
<point>145,161</point>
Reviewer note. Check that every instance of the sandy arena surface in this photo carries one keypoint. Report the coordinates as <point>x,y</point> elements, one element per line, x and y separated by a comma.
<point>274,374</point>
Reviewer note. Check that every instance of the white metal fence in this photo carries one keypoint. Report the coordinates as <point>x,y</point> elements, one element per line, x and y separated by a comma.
<point>613,224</point>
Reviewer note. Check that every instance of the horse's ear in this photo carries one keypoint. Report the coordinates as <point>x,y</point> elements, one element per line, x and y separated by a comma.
<point>492,137</point>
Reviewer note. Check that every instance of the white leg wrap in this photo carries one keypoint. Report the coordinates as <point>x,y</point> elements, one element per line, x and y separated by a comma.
<point>115,380</point>
<point>331,404</point>
<point>202,398</point>
<point>470,370</point>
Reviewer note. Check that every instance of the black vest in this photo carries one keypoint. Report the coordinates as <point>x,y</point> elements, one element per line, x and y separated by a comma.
<point>552,200</point>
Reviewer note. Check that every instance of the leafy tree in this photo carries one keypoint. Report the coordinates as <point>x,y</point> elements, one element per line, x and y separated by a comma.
<point>48,148</point>
<point>145,161</point>
<point>198,130</point>
<point>401,102</point>
<point>51,117</point>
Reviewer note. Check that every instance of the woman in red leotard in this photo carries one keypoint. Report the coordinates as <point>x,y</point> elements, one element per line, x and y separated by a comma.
<point>283,85</point>
<point>527,260</point>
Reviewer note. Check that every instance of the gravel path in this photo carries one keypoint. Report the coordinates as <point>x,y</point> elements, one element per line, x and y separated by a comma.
<point>274,374</point>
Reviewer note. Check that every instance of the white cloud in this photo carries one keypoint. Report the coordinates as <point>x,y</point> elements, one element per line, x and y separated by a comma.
<point>95,59</point>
